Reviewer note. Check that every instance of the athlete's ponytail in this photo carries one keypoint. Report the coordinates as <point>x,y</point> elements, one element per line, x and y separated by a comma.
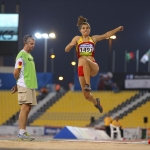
<point>82,21</point>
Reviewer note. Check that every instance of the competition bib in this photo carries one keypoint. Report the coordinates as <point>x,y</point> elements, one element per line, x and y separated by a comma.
<point>86,49</point>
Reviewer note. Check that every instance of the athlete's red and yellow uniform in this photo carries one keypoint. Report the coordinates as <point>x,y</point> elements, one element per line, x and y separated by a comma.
<point>84,49</point>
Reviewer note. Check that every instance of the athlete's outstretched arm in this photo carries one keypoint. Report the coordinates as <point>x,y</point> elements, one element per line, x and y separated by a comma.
<point>97,38</point>
<point>71,44</point>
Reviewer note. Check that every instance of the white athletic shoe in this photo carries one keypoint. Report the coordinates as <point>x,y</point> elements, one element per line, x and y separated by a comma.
<point>25,137</point>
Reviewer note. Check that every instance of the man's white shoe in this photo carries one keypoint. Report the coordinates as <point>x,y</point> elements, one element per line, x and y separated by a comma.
<point>25,137</point>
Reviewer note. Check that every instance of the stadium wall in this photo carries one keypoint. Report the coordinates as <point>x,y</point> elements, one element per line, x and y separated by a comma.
<point>129,133</point>
<point>7,80</point>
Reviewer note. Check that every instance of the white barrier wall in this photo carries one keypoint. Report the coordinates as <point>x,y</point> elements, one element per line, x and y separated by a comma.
<point>13,130</point>
<point>132,133</point>
<point>73,132</point>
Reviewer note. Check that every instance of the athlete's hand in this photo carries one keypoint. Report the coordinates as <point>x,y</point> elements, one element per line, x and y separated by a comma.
<point>120,28</point>
<point>14,89</point>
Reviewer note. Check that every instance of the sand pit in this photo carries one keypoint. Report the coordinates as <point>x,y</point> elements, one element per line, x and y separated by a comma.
<point>73,145</point>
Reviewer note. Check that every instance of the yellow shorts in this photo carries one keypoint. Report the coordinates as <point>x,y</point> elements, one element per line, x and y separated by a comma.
<point>26,96</point>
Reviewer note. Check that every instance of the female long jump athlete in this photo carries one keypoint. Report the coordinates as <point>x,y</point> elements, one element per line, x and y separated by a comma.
<point>85,48</point>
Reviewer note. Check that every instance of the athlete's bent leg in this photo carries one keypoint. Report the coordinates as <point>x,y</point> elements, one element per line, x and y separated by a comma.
<point>89,69</point>
<point>86,69</point>
<point>88,96</point>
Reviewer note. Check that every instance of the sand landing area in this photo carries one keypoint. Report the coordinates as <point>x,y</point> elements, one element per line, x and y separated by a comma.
<point>73,145</point>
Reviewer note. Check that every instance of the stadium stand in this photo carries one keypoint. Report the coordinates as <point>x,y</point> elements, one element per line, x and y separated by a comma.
<point>9,106</point>
<point>72,109</point>
<point>45,104</point>
<point>119,107</point>
<point>135,117</point>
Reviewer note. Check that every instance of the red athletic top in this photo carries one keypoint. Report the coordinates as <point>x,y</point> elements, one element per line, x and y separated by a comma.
<point>85,48</point>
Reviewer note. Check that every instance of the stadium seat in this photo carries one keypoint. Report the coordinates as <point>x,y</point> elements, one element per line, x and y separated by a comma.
<point>73,109</point>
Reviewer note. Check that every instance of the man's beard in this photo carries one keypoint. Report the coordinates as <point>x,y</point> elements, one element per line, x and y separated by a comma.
<point>30,49</point>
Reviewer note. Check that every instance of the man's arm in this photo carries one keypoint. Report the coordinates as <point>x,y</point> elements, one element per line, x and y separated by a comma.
<point>16,73</point>
<point>16,76</point>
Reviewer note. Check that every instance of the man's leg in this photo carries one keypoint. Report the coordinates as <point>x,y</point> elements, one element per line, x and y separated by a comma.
<point>121,130</point>
<point>108,130</point>
<point>25,99</point>
<point>23,116</point>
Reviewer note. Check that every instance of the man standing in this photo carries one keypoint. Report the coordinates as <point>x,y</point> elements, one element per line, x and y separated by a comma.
<point>25,74</point>
<point>107,121</point>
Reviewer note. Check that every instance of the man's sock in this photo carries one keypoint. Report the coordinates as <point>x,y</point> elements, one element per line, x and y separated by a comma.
<point>22,131</point>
